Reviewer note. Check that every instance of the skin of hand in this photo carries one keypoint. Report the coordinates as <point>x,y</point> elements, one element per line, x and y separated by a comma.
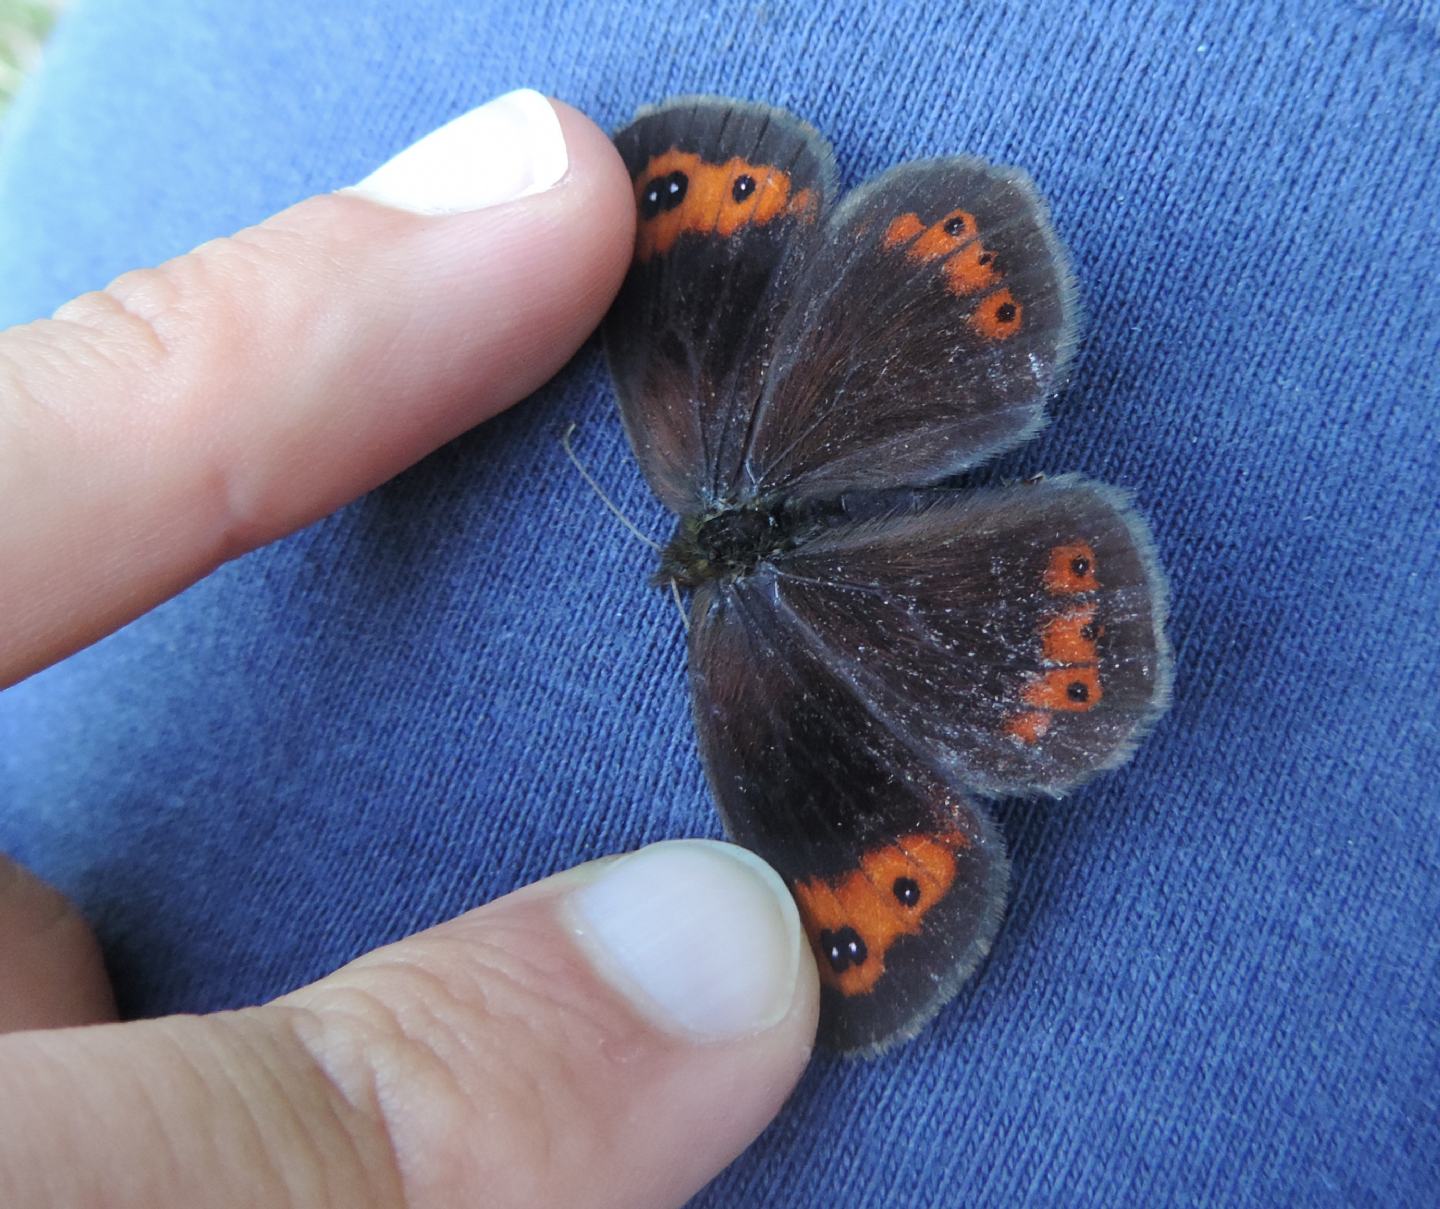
<point>565,1045</point>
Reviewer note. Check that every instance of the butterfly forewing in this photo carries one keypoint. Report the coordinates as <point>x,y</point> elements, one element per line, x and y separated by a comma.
<point>729,197</point>
<point>899,878</point>
<point>927,329</point>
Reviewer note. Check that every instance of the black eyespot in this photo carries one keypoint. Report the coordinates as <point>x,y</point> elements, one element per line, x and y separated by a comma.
<point>1077,690</point>
<point>1080,567</point>
<point>650,199</point>
<point>676,185</point>
<point>985,258</point>
<point>1089,632</point>
<point>1005,312</point>
<point>953,226</point>
<point>843,948</point>
<point>907,890</point>
<point>743,187</point>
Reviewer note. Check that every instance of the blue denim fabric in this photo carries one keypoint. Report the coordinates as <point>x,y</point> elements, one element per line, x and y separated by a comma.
<point>1218,982</point>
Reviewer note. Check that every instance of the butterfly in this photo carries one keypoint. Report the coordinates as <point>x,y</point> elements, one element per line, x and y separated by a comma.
<point>872,652</point>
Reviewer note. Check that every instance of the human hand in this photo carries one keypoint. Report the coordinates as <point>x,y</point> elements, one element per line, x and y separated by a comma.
<point>611,1035</point>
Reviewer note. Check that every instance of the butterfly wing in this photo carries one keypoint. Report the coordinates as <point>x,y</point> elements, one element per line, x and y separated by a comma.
<point>929,323</point>
<point>729,198</point>
<point>1014,635</point>
<point>900,880</point>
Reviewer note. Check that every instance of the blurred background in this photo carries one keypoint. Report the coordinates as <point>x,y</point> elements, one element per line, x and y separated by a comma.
<point>23,26</point>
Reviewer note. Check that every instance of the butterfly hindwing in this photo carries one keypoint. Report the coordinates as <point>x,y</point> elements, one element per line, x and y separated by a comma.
<point>729,197</point>
<point>927,328</point>
<point>1015,634</point>
<point>899,878</point>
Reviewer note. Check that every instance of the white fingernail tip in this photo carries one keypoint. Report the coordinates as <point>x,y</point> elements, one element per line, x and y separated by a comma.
<point>701,937</point>
<point>509,148</point>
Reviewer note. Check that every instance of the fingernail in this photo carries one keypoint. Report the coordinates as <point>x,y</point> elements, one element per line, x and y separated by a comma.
<point>507,149</point>
<point>701,937</point>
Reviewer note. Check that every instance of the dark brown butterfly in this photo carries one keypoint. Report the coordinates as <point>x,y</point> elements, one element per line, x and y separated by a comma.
<point>871,652</point>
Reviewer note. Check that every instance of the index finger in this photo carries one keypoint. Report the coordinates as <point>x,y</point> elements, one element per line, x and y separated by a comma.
<point>186,414</point>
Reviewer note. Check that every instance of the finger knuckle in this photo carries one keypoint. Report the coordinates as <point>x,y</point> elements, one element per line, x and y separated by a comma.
<point>194,318</point>
<point>187,335</point>
<point>470,1080</point>
<point>127,325</point>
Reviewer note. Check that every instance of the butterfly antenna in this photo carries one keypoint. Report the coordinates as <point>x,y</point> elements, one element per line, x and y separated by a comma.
<point>679,606</point>
<point>598,490</point>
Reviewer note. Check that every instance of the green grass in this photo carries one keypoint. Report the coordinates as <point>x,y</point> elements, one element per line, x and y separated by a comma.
<point>23,26</point>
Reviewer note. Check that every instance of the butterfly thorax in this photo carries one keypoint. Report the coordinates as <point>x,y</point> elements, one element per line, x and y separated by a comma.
<point>725,544</point>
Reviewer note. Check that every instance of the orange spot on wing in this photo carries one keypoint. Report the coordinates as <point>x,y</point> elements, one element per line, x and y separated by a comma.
<point>709,198</point>
<point>865,911</point>
<point>1028,727</point>
<point>903,229</point>
<point>1071,689</point>
<point>770,199</point>
<point>805,205</point>
<point>954,231</point>
<point>1070,638</point>
<point>1071,569</point>
<point>998,317</point>
<point>971,269</point>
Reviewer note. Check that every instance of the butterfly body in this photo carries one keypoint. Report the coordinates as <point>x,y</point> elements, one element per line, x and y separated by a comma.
<point>724,544</point>
<point>728,543</point>
<point>872,651</point>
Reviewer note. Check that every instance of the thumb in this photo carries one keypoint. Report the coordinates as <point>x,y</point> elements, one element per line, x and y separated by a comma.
<point>611,1036</point>
<point>189,413</point>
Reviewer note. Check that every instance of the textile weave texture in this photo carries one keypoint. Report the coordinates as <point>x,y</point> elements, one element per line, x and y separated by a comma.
<point>1218,982</point>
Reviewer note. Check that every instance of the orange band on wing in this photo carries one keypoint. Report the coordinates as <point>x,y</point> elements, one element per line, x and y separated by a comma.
<point>679,192</point>
<point>1068,639</point>
<point>969,266</point>
<point>853,920</point>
